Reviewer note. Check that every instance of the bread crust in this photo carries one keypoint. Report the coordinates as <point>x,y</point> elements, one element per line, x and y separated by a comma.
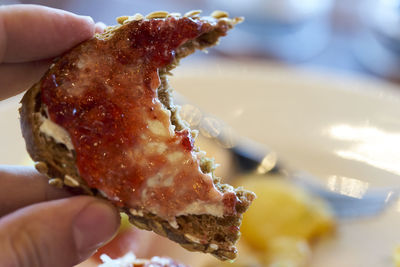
<point>57,162</point>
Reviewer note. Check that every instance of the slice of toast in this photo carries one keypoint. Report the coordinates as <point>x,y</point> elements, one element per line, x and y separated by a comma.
<point>75,110</point>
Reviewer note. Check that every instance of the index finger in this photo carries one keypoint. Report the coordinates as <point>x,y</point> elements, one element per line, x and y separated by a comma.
<point>23,186</point>
<point>31,32</point>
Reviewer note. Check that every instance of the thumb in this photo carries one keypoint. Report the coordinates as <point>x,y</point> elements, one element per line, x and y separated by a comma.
<point>56,233</point>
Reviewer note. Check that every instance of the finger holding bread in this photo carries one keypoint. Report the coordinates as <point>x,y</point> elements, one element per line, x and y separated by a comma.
<point>102,122</point>
<point>31,32</point>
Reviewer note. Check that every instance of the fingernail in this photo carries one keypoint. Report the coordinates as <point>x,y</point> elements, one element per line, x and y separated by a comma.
<point>99,27</point>
<point>95,224</point>
<point>88,19</point>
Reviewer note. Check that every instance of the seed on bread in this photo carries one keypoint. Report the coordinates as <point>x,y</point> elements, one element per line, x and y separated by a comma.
<point>192,238</point>
<point>126,19</point>
<point>70,181</point>
<point>213,247</point>
<point>136,212</point>
<point>157,15</point>
<point>57,182</point>
<point>41,167</point>
<point>137,16</point>
<point>218,14</point>
<point>122,19</point>
<point>192,13</point>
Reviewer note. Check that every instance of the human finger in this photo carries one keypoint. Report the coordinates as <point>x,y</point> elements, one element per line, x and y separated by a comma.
<point>23,186</point>
<point>18,77</point>
<point>57,233</point>
<point>32,32</point>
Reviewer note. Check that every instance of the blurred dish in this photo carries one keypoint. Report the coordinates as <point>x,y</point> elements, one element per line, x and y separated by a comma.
<point>344,130</point>
<point>290,30</point>
<point>340,128</point>
<point>377,45</point>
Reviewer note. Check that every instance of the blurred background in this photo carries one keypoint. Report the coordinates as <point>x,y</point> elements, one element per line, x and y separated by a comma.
<point>358,36</point>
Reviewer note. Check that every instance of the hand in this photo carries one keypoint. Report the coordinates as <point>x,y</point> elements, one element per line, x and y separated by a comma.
<point>41,225</point>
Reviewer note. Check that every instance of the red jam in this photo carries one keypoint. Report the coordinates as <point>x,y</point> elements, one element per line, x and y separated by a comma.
<point>104,94</point>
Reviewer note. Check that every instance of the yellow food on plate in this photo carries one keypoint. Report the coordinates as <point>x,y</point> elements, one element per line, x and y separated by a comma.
<point>396,256</point>
<point>287,251</point>
<point>283,221</point>
<point>283,209</point>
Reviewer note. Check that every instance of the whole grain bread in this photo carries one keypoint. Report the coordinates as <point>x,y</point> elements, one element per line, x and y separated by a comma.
<point>56,159</point>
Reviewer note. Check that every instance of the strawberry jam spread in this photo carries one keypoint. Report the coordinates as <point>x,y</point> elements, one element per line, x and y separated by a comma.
<point>104,94</point>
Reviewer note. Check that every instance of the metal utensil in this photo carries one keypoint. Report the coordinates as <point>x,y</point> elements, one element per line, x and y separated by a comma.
<point>252,158</point>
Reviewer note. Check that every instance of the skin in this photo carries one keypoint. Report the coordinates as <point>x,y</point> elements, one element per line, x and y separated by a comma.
<point>41,225</point>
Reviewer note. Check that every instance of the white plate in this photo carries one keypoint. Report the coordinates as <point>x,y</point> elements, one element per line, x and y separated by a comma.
<point>346,131</point>
<point>325,124</point>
